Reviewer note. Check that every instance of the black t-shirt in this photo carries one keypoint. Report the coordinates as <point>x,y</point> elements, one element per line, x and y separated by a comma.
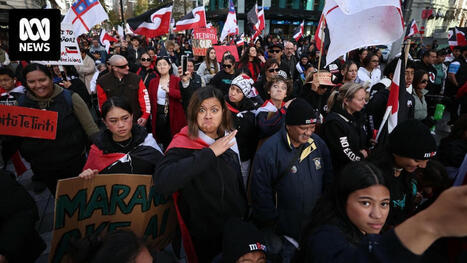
<point>222,81</point>
<point>431,73</point>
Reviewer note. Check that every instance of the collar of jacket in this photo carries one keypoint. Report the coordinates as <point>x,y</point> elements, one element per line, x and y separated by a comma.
<point>308,147</point>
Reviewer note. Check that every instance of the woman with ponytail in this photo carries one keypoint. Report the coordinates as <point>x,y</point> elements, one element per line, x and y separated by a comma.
<point>343,130</point>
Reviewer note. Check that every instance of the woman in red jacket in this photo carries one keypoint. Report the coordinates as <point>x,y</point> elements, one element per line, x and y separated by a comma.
<point>167,112</point>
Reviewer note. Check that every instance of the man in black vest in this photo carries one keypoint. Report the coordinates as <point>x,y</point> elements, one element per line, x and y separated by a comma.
<point>123,83</point>
<point>457,76</point>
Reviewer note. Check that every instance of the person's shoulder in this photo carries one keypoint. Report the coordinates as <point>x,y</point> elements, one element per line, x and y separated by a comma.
<point>273,144</point>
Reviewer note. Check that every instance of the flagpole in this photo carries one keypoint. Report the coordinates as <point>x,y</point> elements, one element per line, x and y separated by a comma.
<point>323,35</point>
<point>123,19</point>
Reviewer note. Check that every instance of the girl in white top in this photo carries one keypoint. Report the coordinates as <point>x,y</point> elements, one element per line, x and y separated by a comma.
<point>209,67</point>
<point>370,71</point>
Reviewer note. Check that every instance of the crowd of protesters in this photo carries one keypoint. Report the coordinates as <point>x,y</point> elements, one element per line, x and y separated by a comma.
<point>273,157</point>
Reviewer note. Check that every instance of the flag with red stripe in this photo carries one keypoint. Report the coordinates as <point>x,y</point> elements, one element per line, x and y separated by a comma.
<point>412,29</point>
<point>299,31</point>
<point>105,39</point>
<point>195,19</point>
<point>152,23</point>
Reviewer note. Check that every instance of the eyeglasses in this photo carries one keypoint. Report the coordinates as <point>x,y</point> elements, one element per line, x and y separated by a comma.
<point>271,70</point>
<point>424,81</point>
<point>226,66</point>
<point>122,66</point>
<point>146,59</point>
<point>275,51</point>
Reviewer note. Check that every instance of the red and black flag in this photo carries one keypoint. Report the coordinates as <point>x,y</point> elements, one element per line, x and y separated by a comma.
<point>152,23</point>
<point>412,29</point>
<point>299,31</point>
<point>195,19</point>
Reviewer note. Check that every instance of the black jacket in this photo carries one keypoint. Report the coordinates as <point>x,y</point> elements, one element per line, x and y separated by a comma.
<point>19,240</point>
<point>143,151</point>
<point>260,87</point>
<point>195,83</point>
<point>403,189</point>
<point>328,244</point>
<point>210,187</point>
<point>345,136</point>
<point>222,81</point>
<point>245,122</point>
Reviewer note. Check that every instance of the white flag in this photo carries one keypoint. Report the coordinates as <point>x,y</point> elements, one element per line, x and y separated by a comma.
<point>354,24</point>
<point>84,14</point>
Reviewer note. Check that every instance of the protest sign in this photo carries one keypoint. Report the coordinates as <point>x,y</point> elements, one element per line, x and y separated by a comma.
<point>109,202</point>
<point>203,38</point>
<point>28,122</point>
<point>220,50</point>
<point>69,52</point>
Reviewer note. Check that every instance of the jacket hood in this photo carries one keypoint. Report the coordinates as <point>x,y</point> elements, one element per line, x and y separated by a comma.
<point>44,102</point>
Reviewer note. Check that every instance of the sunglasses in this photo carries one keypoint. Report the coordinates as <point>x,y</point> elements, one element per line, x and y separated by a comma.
<point>146,59</point>
<point>122,66</point>
<point>226,66</point>
<point>271,70</point>
<point>275,51</point>
<point>424,81</point>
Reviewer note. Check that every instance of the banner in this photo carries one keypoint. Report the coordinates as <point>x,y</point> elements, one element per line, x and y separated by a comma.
<point>220,50</point>
<point>28,122</point>
<point>109,202</point>
<point>69,53</point>
<point>203,38</point>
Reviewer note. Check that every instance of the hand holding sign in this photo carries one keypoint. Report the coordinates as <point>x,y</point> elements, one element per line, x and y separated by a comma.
<point>88,174</point>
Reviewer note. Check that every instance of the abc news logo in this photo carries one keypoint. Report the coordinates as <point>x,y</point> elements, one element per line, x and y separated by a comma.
<point>34,34</point>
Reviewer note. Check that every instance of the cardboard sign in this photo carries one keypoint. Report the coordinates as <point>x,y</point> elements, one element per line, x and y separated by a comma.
<point>28,122</point>
<point>203,38</point>
<point>324,78</point>
<point>69,52</point>
<point>109,202</point>
<point>220,50</point>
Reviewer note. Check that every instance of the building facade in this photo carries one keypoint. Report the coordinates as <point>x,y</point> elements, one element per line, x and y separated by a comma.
<point>434,17</point>
<point>282,16</point>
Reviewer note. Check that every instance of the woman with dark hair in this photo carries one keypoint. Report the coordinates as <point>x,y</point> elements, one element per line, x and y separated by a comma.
<point>64,156</point>
<point>369,72</point>
<point>202,163</point>
<point>250,62</point>
<point>146,70</point>
<point>347,222</point>
<point>122,147</point>
<point>270,70</point>
<point>270,117</point>
<point>357,205</point>
<point>419,84</point>
<point>118,246</point>
<point>209,67</point>
<point>223,78</point>
<point>167,112</point>
<point>343,129</point>
<point>360,55</point>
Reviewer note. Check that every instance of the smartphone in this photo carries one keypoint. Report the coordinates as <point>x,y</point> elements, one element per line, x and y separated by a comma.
<point>184,64</point>
<point>62,71</point>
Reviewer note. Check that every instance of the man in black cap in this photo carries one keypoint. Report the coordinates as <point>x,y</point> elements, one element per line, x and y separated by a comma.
<point>243,242</point>
<point>289,173</point>
<point>410,146</point>
<point>275,51</point>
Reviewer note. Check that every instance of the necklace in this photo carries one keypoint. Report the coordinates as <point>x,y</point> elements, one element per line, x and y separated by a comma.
<point>125,145</point>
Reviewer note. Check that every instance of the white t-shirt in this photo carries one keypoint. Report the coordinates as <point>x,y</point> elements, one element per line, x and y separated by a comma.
<point>364,75</point>
<point>161,94</point>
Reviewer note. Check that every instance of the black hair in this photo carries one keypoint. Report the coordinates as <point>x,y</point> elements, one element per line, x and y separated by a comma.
<point>229,57</point>
<point>195,103</point>
<point>119,246</point>
<point>33,67</point>
<point>168,61</point>
<point>115,101</point>
<point>417,77</point>
<point>7,71</point>
<point>331,208</point>
<point>366,61</point>
<point>71,71</point>
<point>427,53</point>
<point>390,67</point>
